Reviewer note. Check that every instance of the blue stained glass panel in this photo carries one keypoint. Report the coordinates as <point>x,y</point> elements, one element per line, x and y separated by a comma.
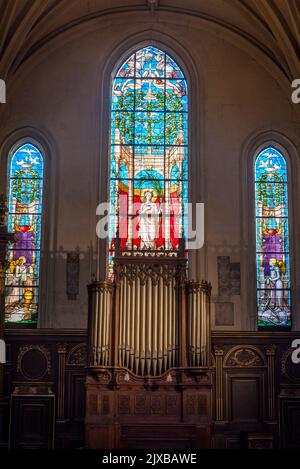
<point>123,94</point>
<point>176,128</point>
<point>176,95</point>
<point>272,239</point>
<point>25,194</point>
<point>150,95</point>
<point>149,153</point>
<point>122,127</point>
<point>150,63</point>
<point>172,69</point>
<point>149,128</point>
<point>128,68</point>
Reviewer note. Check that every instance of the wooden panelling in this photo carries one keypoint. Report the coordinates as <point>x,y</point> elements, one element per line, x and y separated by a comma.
<point>76,396</point>
<point>54,358</point>
<point>32,422</point>
<point>289,400</point>
<point>243,389</point>
<point>252,374</point>
<point>162,436</point>
<point>170,411</point>
<point>256,388</point>
<point>4,419</point>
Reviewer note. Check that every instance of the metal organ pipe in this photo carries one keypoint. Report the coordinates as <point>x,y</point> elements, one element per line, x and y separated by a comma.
<point>151,322</point>
<point>198,323</point>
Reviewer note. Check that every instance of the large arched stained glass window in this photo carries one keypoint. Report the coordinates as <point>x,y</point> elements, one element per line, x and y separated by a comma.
<point>272,239</point>
<point>148,183</point>
<point>25,190</point>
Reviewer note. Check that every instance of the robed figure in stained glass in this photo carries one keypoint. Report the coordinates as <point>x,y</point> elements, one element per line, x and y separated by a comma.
<point>25,205</point>
<point>148,184</point>
<point>148,222</point>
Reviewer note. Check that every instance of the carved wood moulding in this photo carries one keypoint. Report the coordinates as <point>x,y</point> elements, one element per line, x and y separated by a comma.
<point>113,378</point>
<point>34,362</point>
<point>148,267</point>
<point>244,357</point>
<point>78,355</point>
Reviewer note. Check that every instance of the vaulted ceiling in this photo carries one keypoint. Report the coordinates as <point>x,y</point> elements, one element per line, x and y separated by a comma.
<point>272,26</point>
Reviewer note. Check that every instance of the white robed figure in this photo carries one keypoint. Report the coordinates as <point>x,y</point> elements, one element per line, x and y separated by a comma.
<point>276,285</point>
<point>149,222</point>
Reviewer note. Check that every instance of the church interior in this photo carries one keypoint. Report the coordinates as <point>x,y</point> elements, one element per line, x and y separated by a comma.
<point>149,218</point>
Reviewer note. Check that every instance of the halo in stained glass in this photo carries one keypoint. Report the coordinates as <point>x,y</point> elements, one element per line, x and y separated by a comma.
<point>272,239</point>
<point>25,194</point>
<point>149,138</point>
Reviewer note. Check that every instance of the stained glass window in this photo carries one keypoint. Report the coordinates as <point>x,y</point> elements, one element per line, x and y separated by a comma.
<point>148,183</point>
<point>25,176</point>
<point>272,239</point>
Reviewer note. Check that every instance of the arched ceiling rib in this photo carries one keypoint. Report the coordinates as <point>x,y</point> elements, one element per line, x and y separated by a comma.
<point>274,25</point>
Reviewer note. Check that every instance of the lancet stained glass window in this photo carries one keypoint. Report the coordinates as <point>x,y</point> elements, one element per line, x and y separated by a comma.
<point>25,173</point>
<point>148,183</point>
<point>272,239</point>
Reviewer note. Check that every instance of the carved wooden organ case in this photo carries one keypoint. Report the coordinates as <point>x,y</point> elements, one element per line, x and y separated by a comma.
<point>149,376</point>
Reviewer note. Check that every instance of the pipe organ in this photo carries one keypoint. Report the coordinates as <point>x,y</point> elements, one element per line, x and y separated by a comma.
<point>198,320</point>
<point>147,338</point>
<point>149,341</point>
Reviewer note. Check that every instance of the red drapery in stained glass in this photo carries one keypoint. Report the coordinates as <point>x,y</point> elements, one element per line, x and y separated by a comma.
<point>149,152</point>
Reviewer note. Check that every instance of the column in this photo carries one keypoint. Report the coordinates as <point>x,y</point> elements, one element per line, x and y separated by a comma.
<point>62,350</point>
<point>271,352</point>
<point>219,354</point>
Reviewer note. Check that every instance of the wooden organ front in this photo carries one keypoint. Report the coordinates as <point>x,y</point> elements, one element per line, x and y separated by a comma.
<point>149,376</point>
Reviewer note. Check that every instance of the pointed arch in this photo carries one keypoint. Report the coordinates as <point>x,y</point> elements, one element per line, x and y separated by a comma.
<point>25,178</point>
<point>149,138</point>
<point>272,239</point>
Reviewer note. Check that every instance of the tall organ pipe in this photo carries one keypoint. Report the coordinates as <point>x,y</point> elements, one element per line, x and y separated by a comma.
<point>150,326</point>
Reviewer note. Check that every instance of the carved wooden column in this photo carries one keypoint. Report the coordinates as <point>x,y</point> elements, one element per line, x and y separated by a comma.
<point>206,324</point>
<point>62,350</point>
<point>271,352</point>
<point>5,239</point>
<point>183,317</point>
<point>219,354</point>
